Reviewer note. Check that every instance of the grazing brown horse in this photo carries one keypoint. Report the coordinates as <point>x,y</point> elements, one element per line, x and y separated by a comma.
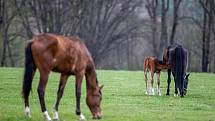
<point>68,56</point>
<point>153,65</point>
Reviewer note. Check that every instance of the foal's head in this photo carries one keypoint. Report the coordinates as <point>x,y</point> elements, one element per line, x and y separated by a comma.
<point>93,101</point>
<point>186,83</point>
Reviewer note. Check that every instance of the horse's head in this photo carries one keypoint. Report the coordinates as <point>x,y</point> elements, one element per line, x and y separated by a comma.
<point>165,56</point>
<point>186,83</point>
<point>93,101</point>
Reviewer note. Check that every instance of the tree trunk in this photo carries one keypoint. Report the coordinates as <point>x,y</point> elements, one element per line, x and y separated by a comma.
<point>206,33</point>
<point>3,33</point>
<point>1,13</point>
<point>175,20</point>
<point>151,7</point>
<point>164,35</point>
<point>154,34</point>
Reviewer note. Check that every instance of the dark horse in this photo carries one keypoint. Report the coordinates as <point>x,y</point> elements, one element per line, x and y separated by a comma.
<point>68,56</point>
<point>176,56</point>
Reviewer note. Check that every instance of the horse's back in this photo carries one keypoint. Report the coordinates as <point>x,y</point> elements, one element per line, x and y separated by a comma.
<point>149,62</point>
<point>59,53</point>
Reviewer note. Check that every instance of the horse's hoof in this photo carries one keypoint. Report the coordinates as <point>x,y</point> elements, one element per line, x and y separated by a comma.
<point>28,115</point>
<point>182,96</point>
<point>159,94</point>
<point>175,95</point>
<point>55,119</point>
<point>46,116</point>
<point>82,117</point>
<point>167,94</point>
<point>146,92</point>
<point>27,112</point>
<point>55,115</point>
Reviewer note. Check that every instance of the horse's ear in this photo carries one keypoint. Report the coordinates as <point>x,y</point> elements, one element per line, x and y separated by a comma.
<point>100,88</point>
<point>187,75</point>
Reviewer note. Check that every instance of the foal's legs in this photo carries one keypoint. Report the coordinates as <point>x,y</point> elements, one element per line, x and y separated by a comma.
<point>158,78</point>
<point>168,81</point>
<point>152,82</point>
<point>62,83</point>
<point>41,93</point>
<point>146,80</point>
<point>78,83</point>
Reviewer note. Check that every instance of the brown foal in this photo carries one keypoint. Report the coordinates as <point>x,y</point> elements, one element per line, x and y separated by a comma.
<point>68,56</point>
<point>153,65</point>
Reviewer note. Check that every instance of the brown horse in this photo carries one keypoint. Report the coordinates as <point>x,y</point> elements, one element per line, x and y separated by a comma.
<point>153,65</point>
<point>68,56</point>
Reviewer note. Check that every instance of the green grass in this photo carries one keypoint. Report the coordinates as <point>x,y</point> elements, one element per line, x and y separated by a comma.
<point>123,98</point>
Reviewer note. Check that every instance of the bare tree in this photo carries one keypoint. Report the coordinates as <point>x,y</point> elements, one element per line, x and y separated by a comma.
<point>208,7</point>
<point>100,23</point>
<point>1,12</point>
<point>152,6</point>
<point>103,25</point>
<point>164,34</point>
<point>176,5</point>
<point>7,17</point>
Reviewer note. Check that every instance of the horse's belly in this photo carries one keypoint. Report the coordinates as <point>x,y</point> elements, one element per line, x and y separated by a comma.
<point>63,67</point>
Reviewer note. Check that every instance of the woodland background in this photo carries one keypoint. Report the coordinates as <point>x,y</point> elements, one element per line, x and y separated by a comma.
<point>118,33</point>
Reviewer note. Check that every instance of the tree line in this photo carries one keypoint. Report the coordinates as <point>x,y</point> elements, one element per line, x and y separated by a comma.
<point>118,33</point>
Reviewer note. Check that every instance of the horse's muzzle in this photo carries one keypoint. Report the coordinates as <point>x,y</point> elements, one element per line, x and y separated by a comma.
<point>185,91</point>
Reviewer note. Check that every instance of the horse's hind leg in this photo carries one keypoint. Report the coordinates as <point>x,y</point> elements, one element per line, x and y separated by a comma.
<point>41,93</point>
<point>158,78</point>
<point>168,81</point>
<point>146,80</point>
<point>176,90</point>
<point>152,92</point>
<point>62,83</point>
<point>79,78</point>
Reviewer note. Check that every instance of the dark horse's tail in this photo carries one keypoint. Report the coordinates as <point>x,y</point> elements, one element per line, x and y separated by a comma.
<point>179,66</point>
<point>29,71</point>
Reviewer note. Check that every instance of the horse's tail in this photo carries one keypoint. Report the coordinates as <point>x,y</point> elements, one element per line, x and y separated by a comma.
<point>179,66</point>
<point>28,72</point>
<point>145,64</point>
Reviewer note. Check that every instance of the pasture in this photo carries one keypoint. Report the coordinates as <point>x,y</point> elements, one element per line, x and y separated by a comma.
<point>123,98</point>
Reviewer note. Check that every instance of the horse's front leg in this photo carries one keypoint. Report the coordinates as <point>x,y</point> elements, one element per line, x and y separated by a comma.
<point>146,80</point>
<point>168,81</point>
<point>78,83</point>
<point>158,78</point>
<point>62,83</point>
<point>41,93</point>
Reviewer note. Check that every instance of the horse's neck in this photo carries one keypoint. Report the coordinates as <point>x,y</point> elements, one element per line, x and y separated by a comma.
<point>91,79</point>
<point>162,65</point>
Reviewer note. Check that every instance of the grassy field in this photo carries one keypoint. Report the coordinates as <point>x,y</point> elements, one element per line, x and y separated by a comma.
<point>123,98</point>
